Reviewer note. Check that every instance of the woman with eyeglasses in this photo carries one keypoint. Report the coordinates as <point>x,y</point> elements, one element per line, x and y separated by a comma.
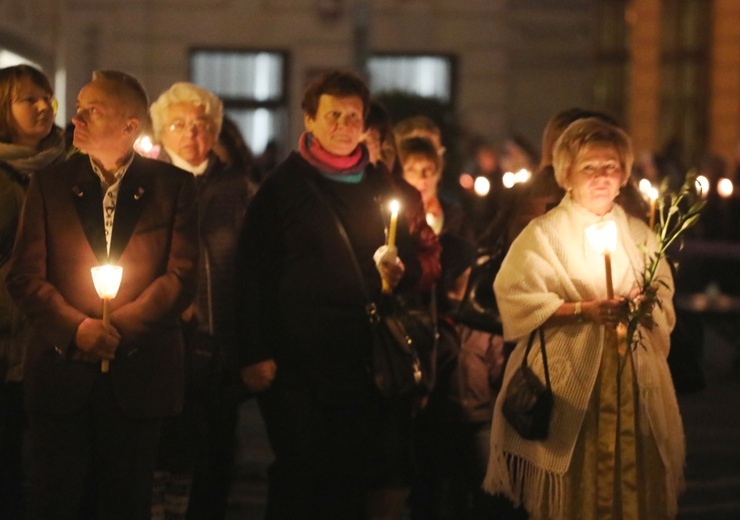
<point>29,141</point>
<point>197,448</point>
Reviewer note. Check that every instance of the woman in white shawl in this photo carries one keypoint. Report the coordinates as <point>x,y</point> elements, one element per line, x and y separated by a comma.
<point>615,447</point>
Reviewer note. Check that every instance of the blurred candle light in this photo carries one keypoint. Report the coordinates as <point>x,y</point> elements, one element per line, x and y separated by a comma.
<point>508,179</point>
<point>482,186</point>
<point>466,181</point>
<point>107,280</point>
<point>145,147</point>
<point>522,176</point>
<point>603,238</point>
<point>645,186</point>
<point>702,186</point>
<point>725,188</point>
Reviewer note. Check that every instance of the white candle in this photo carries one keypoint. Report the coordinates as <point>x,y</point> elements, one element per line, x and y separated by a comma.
<point>653,194</point>
<point>391,243</point>
<point>394,206</point>
<point>603,238</point>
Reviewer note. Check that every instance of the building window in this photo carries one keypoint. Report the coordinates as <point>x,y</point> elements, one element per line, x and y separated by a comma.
<point>684,76</point>
<point>10,59</point>
<point>252,86</point>
<point>423,75</point>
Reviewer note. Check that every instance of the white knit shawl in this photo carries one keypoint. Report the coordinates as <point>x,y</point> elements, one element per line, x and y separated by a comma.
<point>548,264</point>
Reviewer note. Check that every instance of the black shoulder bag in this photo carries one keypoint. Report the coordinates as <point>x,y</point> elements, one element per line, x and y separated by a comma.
<point>528,403</point>
<point>478,309</point>
<point>398,335</point>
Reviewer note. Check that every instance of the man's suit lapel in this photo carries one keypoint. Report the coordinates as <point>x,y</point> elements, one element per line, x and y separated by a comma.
<point>88,199</point>
<point>132,197</point>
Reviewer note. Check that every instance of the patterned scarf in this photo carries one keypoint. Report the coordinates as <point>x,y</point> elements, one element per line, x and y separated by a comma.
<point>332,165</point>
<point>25,161</point>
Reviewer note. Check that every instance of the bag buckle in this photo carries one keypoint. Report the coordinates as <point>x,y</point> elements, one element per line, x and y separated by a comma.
<point>372,313</point>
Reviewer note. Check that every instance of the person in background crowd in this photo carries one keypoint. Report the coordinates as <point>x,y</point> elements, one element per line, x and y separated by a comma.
<point>420,126</point>
<point>341,449</point>
<point>267,160</point>
<point>378,137</point>
<point>95,431</point>
<point>518,154</point>
<point>421,165</point>
<point>615,447</point>
<point>452,428</point>
<point>29,141</point>
<point>187,120</point>
<point>234,152</point>
<point>543,192</point>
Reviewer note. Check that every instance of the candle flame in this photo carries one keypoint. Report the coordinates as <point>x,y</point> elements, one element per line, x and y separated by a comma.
<point>508,179</point>
<point>603,236</point>
<point>702,186</point>
<point>482,186</point>
<point>725,187</point>
<point>394,207</point>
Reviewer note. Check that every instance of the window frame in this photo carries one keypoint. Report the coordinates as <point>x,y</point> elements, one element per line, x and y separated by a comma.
<point>452,59</point>
<point>281,102</point>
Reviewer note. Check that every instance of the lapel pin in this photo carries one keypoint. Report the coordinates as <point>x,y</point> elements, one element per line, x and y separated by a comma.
<point>77,191</point>
<point>139,193</point>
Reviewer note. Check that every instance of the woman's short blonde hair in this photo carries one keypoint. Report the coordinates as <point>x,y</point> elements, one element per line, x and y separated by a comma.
<point>589,132</point>
<point>184,92</point>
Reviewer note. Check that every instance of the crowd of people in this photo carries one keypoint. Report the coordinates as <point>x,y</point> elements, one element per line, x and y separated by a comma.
<point>240,283</point>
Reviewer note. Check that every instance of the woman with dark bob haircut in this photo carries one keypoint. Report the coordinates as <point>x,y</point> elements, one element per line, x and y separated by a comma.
<point>342,451</point>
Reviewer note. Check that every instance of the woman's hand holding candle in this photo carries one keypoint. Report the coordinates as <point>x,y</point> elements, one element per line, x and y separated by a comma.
<point>389,266</point>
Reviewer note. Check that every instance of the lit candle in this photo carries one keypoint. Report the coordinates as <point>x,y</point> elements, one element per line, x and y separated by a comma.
<point>603,238</point>
<point>393,224</point>
<point>391,243</point>
<point>107,280</point>
<point>653,194</point>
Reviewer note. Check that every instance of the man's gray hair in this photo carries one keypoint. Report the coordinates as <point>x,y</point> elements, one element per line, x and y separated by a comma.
<point>129,89</point>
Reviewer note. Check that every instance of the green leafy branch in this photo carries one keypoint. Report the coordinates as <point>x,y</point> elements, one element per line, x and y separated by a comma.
<point>678,212</point>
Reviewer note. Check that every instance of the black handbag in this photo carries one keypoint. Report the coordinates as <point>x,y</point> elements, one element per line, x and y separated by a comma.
<point>395,363</point>
<point>528,403</point>
<point>399,332</point>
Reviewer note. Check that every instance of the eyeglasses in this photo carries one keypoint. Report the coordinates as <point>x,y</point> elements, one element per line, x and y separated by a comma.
<point>199,125</point>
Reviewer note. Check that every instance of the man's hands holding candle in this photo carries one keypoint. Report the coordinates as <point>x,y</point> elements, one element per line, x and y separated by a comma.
<point>95,341</point>
<point>259,376</point>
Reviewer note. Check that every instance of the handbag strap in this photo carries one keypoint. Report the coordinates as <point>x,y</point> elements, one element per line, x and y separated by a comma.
<point>542,349</point>
<point>370,307</point>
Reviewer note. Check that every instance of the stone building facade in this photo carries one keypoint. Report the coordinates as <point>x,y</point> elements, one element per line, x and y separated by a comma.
<point>516,62</point>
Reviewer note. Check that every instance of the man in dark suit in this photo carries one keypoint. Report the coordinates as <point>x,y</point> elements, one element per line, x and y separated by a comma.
<point>94,434</point>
